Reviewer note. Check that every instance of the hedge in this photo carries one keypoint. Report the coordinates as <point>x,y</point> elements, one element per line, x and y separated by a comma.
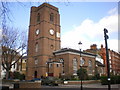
<point>114,80</point>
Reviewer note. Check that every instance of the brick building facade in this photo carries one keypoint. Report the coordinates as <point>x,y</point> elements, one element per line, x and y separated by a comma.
<point>21,64</point>
<point>114,58</point>
<point>71,61</point>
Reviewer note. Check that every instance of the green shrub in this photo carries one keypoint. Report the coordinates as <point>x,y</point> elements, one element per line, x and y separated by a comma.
<point>114,80</point>
<point>104,80</point>
<point>82,73</point>
<point>65,77</point>
<point>74,78</point>
<point>18,75</point>
<point>69,77</point>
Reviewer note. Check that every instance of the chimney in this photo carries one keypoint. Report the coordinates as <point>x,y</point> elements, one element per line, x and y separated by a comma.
<point>101,45</point>
<point>93,47</point>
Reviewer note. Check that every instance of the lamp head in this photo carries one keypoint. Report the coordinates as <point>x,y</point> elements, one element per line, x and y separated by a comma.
<point>79,43</point>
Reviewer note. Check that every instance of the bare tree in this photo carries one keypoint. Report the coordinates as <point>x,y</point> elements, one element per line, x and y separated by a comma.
<point>4,12</point>
<point>13,48</point>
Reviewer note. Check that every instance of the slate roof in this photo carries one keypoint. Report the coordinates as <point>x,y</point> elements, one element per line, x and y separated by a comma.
<point>100,64</point>
<point>72,50</point>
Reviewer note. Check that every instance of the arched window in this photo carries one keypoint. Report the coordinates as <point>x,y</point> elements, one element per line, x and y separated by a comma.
<point>82,61</point>
<point>90,63</point>
<point>50,65</point>
<point>38,17</point>
<point>74,66</point>
<point>51,17</point>
<point>51,46</point>
<point>62,61</point>
<point>36,47</point>
<point>36,61</point>
<point>90,67</point>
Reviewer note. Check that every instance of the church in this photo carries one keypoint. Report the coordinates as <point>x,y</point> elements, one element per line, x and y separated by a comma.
<point>45,55</point>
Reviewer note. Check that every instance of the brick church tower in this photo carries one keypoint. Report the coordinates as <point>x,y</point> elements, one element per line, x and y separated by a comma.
<point>43,39</point>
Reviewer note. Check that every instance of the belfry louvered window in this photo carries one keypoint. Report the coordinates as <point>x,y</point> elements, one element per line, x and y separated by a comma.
<point>38,17</point>
<point>51,17</point>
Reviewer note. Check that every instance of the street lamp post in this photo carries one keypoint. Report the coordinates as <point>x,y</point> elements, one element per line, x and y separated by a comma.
<point>107,58</point>
<point>80,65</point>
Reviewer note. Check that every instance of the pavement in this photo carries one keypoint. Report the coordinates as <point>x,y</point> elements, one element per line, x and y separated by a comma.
<point>96,85</point>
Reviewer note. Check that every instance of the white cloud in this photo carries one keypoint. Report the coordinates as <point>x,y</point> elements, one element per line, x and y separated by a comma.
<point>113,11</point>
<point>90,32</point>
<point>113,44</point>
<point>110,22</point>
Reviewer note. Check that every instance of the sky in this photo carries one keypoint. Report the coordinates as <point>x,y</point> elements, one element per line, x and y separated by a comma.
<point>80,21</point>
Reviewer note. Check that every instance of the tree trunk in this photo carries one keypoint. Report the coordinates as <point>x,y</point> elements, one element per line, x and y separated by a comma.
<point>7,74</point>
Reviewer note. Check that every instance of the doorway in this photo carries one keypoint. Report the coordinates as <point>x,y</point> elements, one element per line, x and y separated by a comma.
<point>35,74</point>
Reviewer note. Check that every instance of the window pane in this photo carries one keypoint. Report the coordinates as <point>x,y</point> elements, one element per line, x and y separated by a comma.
<point>74,66</point>
<point>36,47</point>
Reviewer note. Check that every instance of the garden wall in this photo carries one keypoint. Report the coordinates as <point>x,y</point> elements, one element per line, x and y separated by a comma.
<point>27,85</point>
<point>79,82</point>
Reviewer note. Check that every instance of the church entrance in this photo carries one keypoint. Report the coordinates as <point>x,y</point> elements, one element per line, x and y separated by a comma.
<point>35,74</point>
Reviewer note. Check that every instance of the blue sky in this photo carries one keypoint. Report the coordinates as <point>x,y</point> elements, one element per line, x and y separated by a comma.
<point>71,13</point>
<point>80,21</point>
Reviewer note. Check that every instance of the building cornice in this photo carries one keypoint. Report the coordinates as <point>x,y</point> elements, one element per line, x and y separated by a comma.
<point>72,51</point>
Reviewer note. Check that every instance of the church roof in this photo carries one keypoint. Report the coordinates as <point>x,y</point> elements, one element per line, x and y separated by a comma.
<point>100,64</point>
<point>66,50</point>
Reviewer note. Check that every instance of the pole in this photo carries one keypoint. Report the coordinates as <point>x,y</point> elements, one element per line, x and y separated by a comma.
<point>107,58</point>
<point>81,70</point>
<point>80,66</point>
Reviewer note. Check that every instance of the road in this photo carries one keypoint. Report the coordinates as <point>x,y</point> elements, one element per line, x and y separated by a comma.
<point>68,89</point>
<point>96,86</point>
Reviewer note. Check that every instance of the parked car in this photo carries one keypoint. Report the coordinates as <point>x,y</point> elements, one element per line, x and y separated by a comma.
<point>51,81</point>
<point>35,79</point>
